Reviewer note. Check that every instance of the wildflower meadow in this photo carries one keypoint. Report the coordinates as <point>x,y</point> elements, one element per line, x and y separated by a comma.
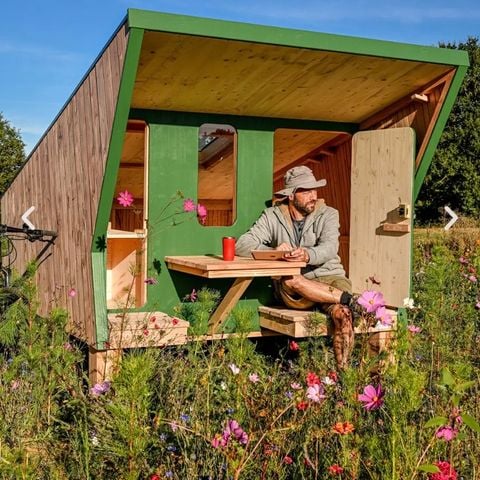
<point>271,408</point>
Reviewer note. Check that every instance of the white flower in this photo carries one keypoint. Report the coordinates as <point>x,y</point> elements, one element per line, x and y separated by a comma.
<point>223,385</point>
<point>95,441</point>
<point>328,381</point>
<point>235,370</point>
<point>408,303</point>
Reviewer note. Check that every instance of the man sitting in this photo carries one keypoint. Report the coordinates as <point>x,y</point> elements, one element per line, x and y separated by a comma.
<point>307,230</point>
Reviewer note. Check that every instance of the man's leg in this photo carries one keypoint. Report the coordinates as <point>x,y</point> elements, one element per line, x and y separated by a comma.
<point>313,290</point>
<point>337,300</point>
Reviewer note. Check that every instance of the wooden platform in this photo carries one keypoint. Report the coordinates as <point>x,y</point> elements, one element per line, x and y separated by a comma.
<point>145,329</point>
<point>297,323</point>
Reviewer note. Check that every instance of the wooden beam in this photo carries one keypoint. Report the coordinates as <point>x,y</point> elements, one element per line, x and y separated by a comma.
<point>419,97</point>
<point>403,102</point>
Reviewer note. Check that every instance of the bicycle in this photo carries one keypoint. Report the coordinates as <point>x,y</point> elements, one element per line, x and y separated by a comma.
<point>8,255</point>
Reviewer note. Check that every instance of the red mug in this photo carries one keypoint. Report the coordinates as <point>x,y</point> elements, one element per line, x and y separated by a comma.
<point>228,244</point>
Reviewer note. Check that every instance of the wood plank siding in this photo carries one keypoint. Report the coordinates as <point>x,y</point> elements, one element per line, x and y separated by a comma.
<point>63,179</point>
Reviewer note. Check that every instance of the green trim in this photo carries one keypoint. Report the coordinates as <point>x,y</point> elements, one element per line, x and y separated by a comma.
<point>167,22</point>
<point>402,317</point>
<point>447,106</point>
<point>119,126</point>
<point>247,123</point>
<point>100,298</point>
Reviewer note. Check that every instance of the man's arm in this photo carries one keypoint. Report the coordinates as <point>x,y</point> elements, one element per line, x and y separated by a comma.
<point>326,247</point>
<point>259,237</point>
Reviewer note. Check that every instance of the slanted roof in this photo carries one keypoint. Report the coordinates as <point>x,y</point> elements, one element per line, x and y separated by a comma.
<point>201,65</point>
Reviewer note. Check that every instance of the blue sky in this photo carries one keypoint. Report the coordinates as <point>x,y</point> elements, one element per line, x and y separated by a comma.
<point>46,46</point>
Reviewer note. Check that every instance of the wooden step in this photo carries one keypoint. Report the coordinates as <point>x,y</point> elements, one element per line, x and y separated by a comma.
<point>296,323</point>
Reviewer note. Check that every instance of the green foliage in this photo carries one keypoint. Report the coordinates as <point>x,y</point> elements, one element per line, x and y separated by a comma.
<point>166,411</point>
<point>454,175</point>
<point>12,154</point>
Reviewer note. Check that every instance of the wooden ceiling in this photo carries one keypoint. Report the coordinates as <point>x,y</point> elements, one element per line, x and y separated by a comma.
<point>202,74</point>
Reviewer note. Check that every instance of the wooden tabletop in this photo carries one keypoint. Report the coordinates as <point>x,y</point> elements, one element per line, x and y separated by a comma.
<point>213,266</point>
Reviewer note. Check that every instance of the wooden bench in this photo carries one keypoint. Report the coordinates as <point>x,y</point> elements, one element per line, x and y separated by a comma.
<point>299,324</point>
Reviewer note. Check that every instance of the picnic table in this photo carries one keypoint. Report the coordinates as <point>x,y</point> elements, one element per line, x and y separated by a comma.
<point>242,269</point>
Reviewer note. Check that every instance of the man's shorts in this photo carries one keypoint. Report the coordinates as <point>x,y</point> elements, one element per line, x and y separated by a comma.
<point>293,300</point>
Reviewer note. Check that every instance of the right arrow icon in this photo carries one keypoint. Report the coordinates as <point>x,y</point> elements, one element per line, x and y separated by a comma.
<point>452,220</point>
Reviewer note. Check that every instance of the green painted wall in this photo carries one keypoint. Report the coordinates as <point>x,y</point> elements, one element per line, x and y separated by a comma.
<point>173,166</point>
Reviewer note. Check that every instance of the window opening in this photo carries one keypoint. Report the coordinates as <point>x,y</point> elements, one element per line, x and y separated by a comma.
<point>217,173</point>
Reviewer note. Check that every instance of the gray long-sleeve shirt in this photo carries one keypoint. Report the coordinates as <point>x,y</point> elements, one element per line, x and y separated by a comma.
<point>319,237</point>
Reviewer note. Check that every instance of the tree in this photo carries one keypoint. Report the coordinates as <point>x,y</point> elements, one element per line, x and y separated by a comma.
<point>454,175</point>
<point>12,153</point>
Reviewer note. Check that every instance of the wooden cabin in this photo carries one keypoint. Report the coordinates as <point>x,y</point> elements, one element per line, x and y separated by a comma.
<point>219,111</point>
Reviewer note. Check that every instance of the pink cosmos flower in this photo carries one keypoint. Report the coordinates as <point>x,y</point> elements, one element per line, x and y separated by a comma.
<point>371,300</point>
<point>216,441</point>
<point>150,281</point>
<point>68,346</point>
<point>447,472</point>
<point>447,433</point>
<point>202,213</point>
<point>295,386</point>
<point>293,346</point>
<point>125,199</point>
<point>477,305</point>
<point>14,384</point>
<point>254,378</point>
<point>473,278</point>
<point>315,393</point>
<point>189,205</point>
<point>372,398</point>
<point>414,329</point>
<point>287,460</point>
<point>384,317</point>
<point>234,429</point>
<point>72,293</point>
<point>463,261</point>
<point>191,297</point>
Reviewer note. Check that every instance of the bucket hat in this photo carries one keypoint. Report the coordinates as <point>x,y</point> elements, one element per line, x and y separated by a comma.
<point>299,177</point>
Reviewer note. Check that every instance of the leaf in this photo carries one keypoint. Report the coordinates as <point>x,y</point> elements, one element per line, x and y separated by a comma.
<point>447,377</point>
<point>470,422</point>
<point>429,468</point>
<point>464,385</point>
<point>436,422</point>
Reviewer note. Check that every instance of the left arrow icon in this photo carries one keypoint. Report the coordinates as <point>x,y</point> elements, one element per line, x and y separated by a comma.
<point>25,219</point>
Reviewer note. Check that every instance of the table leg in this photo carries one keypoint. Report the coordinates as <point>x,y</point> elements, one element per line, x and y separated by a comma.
<point>229,301</point>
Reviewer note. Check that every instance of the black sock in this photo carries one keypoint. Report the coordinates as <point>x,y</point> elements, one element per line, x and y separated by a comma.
<point>345,298</point>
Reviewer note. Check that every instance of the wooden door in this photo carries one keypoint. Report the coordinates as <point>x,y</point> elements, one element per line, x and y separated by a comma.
<point>380,231</point>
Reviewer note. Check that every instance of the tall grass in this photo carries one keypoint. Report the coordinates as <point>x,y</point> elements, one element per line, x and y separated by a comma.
<point>237,409</point>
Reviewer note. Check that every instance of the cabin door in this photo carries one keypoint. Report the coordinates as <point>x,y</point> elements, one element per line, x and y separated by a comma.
<point>380,221</point>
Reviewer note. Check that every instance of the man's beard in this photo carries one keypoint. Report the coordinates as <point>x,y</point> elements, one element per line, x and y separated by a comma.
<point>306,208</point>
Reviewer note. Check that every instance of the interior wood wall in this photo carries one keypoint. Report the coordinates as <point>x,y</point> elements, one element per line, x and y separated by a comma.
<point>421,116</point>
<point>62,179</point>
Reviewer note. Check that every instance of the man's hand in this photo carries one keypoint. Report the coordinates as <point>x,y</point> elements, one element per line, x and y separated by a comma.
<point>297,255</point>
<point>284,247</point>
